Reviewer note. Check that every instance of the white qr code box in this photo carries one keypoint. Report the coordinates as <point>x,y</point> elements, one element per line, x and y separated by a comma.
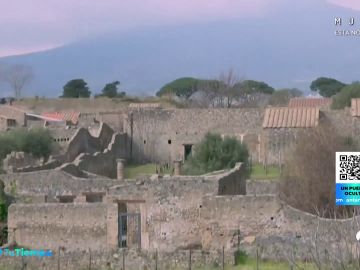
<point>347,167</point>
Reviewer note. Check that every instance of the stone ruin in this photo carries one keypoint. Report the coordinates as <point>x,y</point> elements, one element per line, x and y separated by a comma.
<point>86,202</point>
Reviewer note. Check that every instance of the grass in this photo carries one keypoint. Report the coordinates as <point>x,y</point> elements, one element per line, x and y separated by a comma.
<point>258,172</point>
<point>268,265</point>
<point>133,170</point>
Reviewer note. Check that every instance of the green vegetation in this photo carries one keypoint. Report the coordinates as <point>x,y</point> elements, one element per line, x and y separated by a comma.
<point>249,87</point>
<point>214,153</point>
<point>326,87</point>
<point>111,91</point>
<point>35,141</point>
<point>3,202</point>
<point>241,257</point>
<point>182,87</point>
<point>282,97</point>
<point>133,170</point>
<point>343,98</point>
<point>258,171</point>
<point>76,89</point>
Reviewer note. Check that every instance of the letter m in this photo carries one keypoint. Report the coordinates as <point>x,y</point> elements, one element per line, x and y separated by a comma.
<point>337,21</point>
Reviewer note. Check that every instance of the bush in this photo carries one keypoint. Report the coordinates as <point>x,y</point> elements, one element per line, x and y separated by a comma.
<point>308,178</point>
<point>214,153</point>
<point>241,257</point>
<point>343,98</point>
<point>36,141</point>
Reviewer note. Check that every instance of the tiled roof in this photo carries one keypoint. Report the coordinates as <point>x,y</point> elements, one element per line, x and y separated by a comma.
<point>309,102</point>
<point>64,116</point>
<point>355,107</point>
<point>291,117</point>
<point>11,112</point>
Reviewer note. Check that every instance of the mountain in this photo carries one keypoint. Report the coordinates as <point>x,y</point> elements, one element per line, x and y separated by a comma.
<point>286,48</point>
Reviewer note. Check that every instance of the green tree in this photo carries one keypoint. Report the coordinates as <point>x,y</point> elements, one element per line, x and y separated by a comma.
<point>76,88</point>
<point>326,87</point>
<point>250,87</point>
<point>282,97</point>
<point>111,90</point>
<point>343,98</point>
<point>215,153</point>
<point>38,142</point>
<point>182,87</point>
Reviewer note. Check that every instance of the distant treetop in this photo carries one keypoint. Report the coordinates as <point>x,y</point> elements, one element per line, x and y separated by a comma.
<point>76,88</point>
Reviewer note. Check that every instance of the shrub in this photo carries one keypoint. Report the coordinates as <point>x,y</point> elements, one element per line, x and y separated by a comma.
<point>214,153</point>
<point>36,141</point>
<point>241,257</point>
<point>343,98</point>
<point>308,178</point>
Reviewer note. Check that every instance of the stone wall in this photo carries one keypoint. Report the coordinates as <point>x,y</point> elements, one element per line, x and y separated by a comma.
<point>50,226</point>
<point>19,160</point>
<point>234,181</point>
<point>254,187</point>
<point>104,163</point>
<point>54,183</point>
<point>84,142</point>
<point>160,135</point>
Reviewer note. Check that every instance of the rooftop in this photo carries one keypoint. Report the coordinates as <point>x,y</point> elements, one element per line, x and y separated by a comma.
<point>284,117</point>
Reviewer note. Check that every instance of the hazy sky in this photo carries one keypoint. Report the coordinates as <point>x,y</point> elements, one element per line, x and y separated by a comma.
<point>36,25</point>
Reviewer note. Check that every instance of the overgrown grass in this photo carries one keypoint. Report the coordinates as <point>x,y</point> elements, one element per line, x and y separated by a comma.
<point>259,172</point>
<point>134,170</point>
<point>267,265</point>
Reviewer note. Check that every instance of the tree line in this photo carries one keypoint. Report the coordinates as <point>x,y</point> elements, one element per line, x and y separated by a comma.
<point>228,90</point>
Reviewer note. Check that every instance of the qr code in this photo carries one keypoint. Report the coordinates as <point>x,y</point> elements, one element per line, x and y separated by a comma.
<point>348,167</point>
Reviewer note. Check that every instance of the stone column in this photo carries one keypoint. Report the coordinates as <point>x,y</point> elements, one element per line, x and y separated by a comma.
<point>177,167</point>
<point>120,168</point>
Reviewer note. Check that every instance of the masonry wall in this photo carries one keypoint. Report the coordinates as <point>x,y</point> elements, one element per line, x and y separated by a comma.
<point>84,142</point>
<point>104,163</point>
<point>160,135</point>
<point>53,183</point>
<point>50,226</point>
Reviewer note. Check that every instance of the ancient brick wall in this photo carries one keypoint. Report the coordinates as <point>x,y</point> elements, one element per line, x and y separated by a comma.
<point>53,183</point>
<point>50,226</point>
<point>160,135</point>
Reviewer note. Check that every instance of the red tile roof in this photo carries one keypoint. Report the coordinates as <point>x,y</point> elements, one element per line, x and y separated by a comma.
<point>309,102</point>
<point>291,117</point>
<point>71,116</point>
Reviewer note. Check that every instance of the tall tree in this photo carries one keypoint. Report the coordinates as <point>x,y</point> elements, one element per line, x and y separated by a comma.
<point>251,92</point>
<point>326,87</point>
<point>17,76</point>
<point>76,88</point>
<point>110,90</point>
<point>182,87</point>
<point>343,98</point>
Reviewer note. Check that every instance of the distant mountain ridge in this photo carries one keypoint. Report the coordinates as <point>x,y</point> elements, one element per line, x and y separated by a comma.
<point>283,50</point>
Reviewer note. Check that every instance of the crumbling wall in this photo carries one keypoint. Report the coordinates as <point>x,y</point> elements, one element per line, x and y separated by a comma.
<point>18,160</point>
<point>50,226</point>
<point>54,183</point>
<point>104,163</point>
<point>84,142</point>
<point>234,181</point>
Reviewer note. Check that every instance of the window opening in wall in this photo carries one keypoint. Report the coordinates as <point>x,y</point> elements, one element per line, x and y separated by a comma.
<point>187,150</point>
<point>169,141</point>
<point>144,141</point>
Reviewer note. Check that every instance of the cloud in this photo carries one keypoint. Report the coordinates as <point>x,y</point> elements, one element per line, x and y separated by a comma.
<point>31,24</point>
<point>352,4</point>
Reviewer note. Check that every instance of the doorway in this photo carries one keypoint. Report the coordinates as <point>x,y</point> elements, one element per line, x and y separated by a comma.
<point>187,150</point>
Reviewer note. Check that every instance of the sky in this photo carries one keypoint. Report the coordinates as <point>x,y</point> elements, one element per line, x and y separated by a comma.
<point>38,25</point>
